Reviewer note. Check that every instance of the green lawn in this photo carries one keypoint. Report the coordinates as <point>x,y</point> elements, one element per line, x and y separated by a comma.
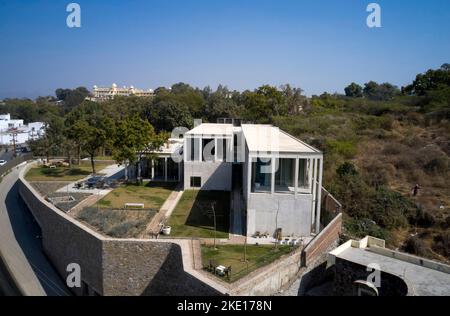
<point>233,255</point>
<point>193,217</point>
<point>64,173</point>
<point>152,194</point>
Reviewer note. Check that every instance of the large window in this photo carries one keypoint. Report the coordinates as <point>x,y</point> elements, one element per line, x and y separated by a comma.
<point>303,174</point>
<point>221,149</point>
<point>285,175</point>
<point>261,175</point>
<point>208,149</point>
<point>192,149</point>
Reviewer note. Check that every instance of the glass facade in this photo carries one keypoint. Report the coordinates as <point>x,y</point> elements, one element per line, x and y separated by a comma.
<point>285,175</point>
<point>261,175</point>
<point>303,173</point>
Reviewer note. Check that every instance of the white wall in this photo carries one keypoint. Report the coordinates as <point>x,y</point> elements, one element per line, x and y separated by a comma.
<point>216,176</point>
<point>293,216</point>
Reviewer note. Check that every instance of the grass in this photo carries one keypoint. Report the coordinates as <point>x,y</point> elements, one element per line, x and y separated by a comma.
<point>232,256</point>
<point>152,194</point>
<point>64,173</point>
<point>192,216</point>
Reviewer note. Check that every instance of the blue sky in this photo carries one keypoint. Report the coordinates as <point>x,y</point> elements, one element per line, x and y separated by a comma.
<point>316,45</point>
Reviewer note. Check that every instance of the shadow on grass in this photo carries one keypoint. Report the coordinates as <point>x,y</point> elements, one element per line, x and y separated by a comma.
<point>62,172</point>
<point>201,213</point>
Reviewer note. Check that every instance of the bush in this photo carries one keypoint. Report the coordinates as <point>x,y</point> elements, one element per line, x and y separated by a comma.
<point>415,246</point>
<point>346,168</point>
<point>442,244</point>
<point>423,218</point>
<point>345,148</point>
<point>437,165</point>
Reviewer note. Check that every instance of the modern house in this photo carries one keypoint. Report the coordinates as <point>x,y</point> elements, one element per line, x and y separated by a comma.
<point>276,177</point>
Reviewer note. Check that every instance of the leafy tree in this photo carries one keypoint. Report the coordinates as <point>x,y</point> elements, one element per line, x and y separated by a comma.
<point>429,81</point>
<point>380,92</point>
<point>354,90</point>
<point>295,101</point>
<point>53,139</point>
<point>167,114</point>
<point>93,125</point>
<point>134,139</point>
<point>72,98</point>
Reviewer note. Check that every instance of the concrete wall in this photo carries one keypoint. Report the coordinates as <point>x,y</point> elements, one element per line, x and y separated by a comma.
<point>110,266</point>
<point>270,279</point>
<point>293,216</point>
<point>216,176</point>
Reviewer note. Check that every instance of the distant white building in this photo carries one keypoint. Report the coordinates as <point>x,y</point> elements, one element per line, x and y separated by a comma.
<point>22,133</point>
<point>100,94</point>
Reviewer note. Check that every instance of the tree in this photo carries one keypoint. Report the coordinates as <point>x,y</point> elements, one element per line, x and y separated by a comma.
<point>72,98</point>
<point>53,139</point>
<point>98,136</point>
<point>166,114</point>
<point>94,127</point>
<point>354,90</point>
<point>136,138</point>
<point>380,92</point>
<point>430,81</point>
<point>294,99</point>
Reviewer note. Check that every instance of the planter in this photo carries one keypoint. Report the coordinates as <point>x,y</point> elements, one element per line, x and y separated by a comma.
<point>166,230</point>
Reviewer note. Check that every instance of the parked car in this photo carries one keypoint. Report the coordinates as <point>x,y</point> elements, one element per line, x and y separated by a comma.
<point>2,162</point>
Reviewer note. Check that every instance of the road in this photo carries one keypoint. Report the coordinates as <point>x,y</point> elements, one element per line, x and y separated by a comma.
<point>21,246</point>
<point>7,156</point>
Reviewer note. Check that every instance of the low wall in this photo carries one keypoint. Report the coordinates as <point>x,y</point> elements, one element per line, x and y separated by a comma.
<point>110,266</point>
<point>270,279</point>
<point>323,241</point>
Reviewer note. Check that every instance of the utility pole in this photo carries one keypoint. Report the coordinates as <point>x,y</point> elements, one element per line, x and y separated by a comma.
<point>215,224</point>
<point>14,141</point>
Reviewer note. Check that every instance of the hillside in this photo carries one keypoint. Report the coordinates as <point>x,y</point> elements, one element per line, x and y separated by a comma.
<point>375,153</point>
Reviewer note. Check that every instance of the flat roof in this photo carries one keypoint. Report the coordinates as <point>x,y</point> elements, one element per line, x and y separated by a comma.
<point>425,281</point>
<point>268,138</point>
<point>212,129</point>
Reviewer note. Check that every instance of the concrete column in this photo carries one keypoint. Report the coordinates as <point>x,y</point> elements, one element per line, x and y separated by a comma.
<point>319,196</point>
<point>314,187</point>
<point>249,176</point>
<point>153,169</point>
<point>165,169</point>
<point>297,163</point>
<point>272,175</point>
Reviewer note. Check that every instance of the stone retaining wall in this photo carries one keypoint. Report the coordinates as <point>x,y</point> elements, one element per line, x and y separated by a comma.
<point>110,266</point>
<point>322,242</point>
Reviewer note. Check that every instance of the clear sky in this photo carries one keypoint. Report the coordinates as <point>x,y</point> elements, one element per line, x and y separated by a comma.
<point>316,45</point>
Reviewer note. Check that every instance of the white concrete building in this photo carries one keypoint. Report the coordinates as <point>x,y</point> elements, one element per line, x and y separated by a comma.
<point>10,129</point>
<point>278,176</point>
<point>101,94</point>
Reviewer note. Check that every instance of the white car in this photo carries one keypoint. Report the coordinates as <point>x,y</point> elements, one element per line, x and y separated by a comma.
<point>2,162</point>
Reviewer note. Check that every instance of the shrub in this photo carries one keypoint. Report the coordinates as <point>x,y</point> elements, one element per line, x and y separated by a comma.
<point>346,168</point>
<point>415,246</point>
<point>439,164</point>
<point>423,218</point>
<point>345,148</point>
<point>441,244</point>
